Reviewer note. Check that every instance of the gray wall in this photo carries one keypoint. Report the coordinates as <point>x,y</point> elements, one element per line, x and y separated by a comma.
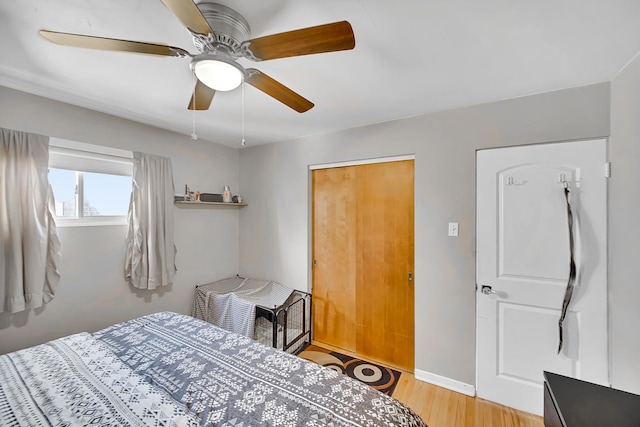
<point>624,235</point>
<point>92,292</point>
<point>274,228</point>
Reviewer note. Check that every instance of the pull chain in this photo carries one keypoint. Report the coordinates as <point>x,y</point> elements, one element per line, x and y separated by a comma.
<point>244,142</point>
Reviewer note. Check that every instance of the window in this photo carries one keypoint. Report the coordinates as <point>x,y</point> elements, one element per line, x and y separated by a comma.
<point>91,184</point>
<point>99,194</point>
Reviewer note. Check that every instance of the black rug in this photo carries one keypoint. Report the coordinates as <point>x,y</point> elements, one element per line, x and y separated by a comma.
<point>379,377</point>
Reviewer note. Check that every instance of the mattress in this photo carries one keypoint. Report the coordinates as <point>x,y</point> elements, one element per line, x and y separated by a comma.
<point>168,369</point>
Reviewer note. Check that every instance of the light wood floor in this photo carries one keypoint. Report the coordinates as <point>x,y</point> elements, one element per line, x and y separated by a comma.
<point>440,407</point>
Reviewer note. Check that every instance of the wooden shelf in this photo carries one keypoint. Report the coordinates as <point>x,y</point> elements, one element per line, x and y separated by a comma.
<point>240,205</point>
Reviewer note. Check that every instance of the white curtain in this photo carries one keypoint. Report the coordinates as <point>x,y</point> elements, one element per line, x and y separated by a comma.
<point>150,259</point>
<point>30,250</point>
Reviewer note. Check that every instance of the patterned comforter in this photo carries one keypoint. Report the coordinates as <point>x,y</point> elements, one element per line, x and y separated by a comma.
<point>77,380</point>
<point>183,368</point>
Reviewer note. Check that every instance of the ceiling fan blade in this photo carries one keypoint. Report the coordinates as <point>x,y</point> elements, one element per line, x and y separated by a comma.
<point>277,90</point>
<point>103,43</point>
<point>306,41</point>
<point>201,98</point>
<point>190,16</point>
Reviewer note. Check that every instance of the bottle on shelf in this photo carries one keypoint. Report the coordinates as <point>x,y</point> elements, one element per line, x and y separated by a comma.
<point>226,194</point>
<point>188,194</point>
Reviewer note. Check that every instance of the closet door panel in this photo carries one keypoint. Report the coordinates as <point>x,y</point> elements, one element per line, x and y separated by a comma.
<point>384,261</point>
<point>334,251</point>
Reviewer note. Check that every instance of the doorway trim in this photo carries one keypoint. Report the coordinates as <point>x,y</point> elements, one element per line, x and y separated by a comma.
<point>360,162</point>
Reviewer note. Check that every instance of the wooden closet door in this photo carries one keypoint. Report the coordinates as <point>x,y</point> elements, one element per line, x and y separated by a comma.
<point>384,263</point>
<point>334,249</point>
<point>363,300</point>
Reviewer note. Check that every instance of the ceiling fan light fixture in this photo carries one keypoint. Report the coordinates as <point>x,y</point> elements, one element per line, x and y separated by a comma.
<point>218,72</point>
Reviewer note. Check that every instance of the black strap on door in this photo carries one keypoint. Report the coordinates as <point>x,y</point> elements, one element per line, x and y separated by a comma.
<point>572,267</point>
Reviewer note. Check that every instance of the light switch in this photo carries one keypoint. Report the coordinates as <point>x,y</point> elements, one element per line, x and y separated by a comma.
<point>453,229</point>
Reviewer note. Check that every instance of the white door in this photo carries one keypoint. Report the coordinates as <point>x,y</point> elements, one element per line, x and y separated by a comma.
<point>523,256</point>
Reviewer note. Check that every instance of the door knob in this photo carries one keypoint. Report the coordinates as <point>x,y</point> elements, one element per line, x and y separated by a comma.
<point>487,290</point>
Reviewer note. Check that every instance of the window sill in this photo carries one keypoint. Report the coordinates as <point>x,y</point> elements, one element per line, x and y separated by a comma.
<point>90,222</point>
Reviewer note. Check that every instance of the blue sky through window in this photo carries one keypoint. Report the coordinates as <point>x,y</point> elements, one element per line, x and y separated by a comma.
<point>108,194</point>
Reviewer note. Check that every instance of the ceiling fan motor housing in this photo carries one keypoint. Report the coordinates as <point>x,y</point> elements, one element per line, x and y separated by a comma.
<point>230,29</point>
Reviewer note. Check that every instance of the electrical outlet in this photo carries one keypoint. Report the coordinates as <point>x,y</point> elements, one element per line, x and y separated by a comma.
<point>453,229</point>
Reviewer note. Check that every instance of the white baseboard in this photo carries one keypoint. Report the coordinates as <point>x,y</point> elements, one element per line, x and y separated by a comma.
<point>445,382</point>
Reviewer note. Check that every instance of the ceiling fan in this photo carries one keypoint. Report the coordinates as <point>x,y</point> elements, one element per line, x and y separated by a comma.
<point>221,35</point>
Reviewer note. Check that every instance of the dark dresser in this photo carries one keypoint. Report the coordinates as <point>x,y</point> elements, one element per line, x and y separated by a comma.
<point>574,403</point>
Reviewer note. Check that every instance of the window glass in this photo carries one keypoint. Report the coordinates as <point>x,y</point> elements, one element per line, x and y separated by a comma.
<point>106,194</point>
<point>63,183</point>
<point>91,183</point>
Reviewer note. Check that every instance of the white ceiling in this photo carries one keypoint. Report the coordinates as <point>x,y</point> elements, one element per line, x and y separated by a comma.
<point>411,57</point>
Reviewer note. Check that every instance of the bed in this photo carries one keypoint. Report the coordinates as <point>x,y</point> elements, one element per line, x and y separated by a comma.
<point>168,369</point>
